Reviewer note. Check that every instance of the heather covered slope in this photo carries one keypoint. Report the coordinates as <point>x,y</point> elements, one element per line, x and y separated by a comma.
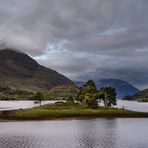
<point>20,71</point>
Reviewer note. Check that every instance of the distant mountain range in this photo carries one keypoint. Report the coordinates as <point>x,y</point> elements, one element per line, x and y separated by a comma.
<point>20,71</point>
<point>123,88</point>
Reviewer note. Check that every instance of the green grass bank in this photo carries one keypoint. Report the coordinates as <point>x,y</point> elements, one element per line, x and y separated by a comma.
<point>68,110</point>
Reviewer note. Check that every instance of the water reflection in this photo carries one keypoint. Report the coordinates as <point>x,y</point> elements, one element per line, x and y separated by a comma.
<point>91,133</point>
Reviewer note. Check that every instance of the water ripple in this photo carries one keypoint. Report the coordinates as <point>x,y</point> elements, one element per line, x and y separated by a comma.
<point>96,133</point>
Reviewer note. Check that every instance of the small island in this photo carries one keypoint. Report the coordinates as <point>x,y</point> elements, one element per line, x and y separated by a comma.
<point>84,105</point>
<point>62,110</point>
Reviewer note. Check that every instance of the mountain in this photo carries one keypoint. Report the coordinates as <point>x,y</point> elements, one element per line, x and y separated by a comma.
<point>123,88</point>
<point>19,71</point>
<point>140,96</point>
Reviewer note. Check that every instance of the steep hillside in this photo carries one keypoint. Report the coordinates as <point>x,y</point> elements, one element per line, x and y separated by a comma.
<point>20,71</point>
<point>62,92</point>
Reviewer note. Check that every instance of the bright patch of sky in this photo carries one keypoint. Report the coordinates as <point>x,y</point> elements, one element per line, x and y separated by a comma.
<point>111,32</point>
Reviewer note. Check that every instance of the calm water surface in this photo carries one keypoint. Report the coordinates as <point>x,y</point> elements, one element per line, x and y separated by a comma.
<point>10,105</point>
<point>133,105</point>
<point>90,133</point>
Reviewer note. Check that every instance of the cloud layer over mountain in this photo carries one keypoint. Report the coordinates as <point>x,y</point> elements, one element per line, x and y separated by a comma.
<point>81,38</point>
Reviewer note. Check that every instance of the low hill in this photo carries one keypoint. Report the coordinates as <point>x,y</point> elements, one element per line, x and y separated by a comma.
<point>123,88</point>
<point>140,96</point>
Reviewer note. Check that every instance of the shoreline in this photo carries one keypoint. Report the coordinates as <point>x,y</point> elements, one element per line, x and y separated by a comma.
<point>7,118</point>
<point>67,118</point>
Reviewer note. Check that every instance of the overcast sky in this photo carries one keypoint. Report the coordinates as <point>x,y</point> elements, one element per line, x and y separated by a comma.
<point>81,39</point>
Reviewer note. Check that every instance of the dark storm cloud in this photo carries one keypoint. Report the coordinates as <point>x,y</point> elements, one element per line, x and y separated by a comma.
<point>100,38</point>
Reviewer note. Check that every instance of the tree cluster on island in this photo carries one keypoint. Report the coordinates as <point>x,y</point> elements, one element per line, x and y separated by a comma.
<point>89,95</point>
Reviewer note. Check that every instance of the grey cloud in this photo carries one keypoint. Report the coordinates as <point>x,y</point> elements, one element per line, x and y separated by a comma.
<point>105,38</point>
